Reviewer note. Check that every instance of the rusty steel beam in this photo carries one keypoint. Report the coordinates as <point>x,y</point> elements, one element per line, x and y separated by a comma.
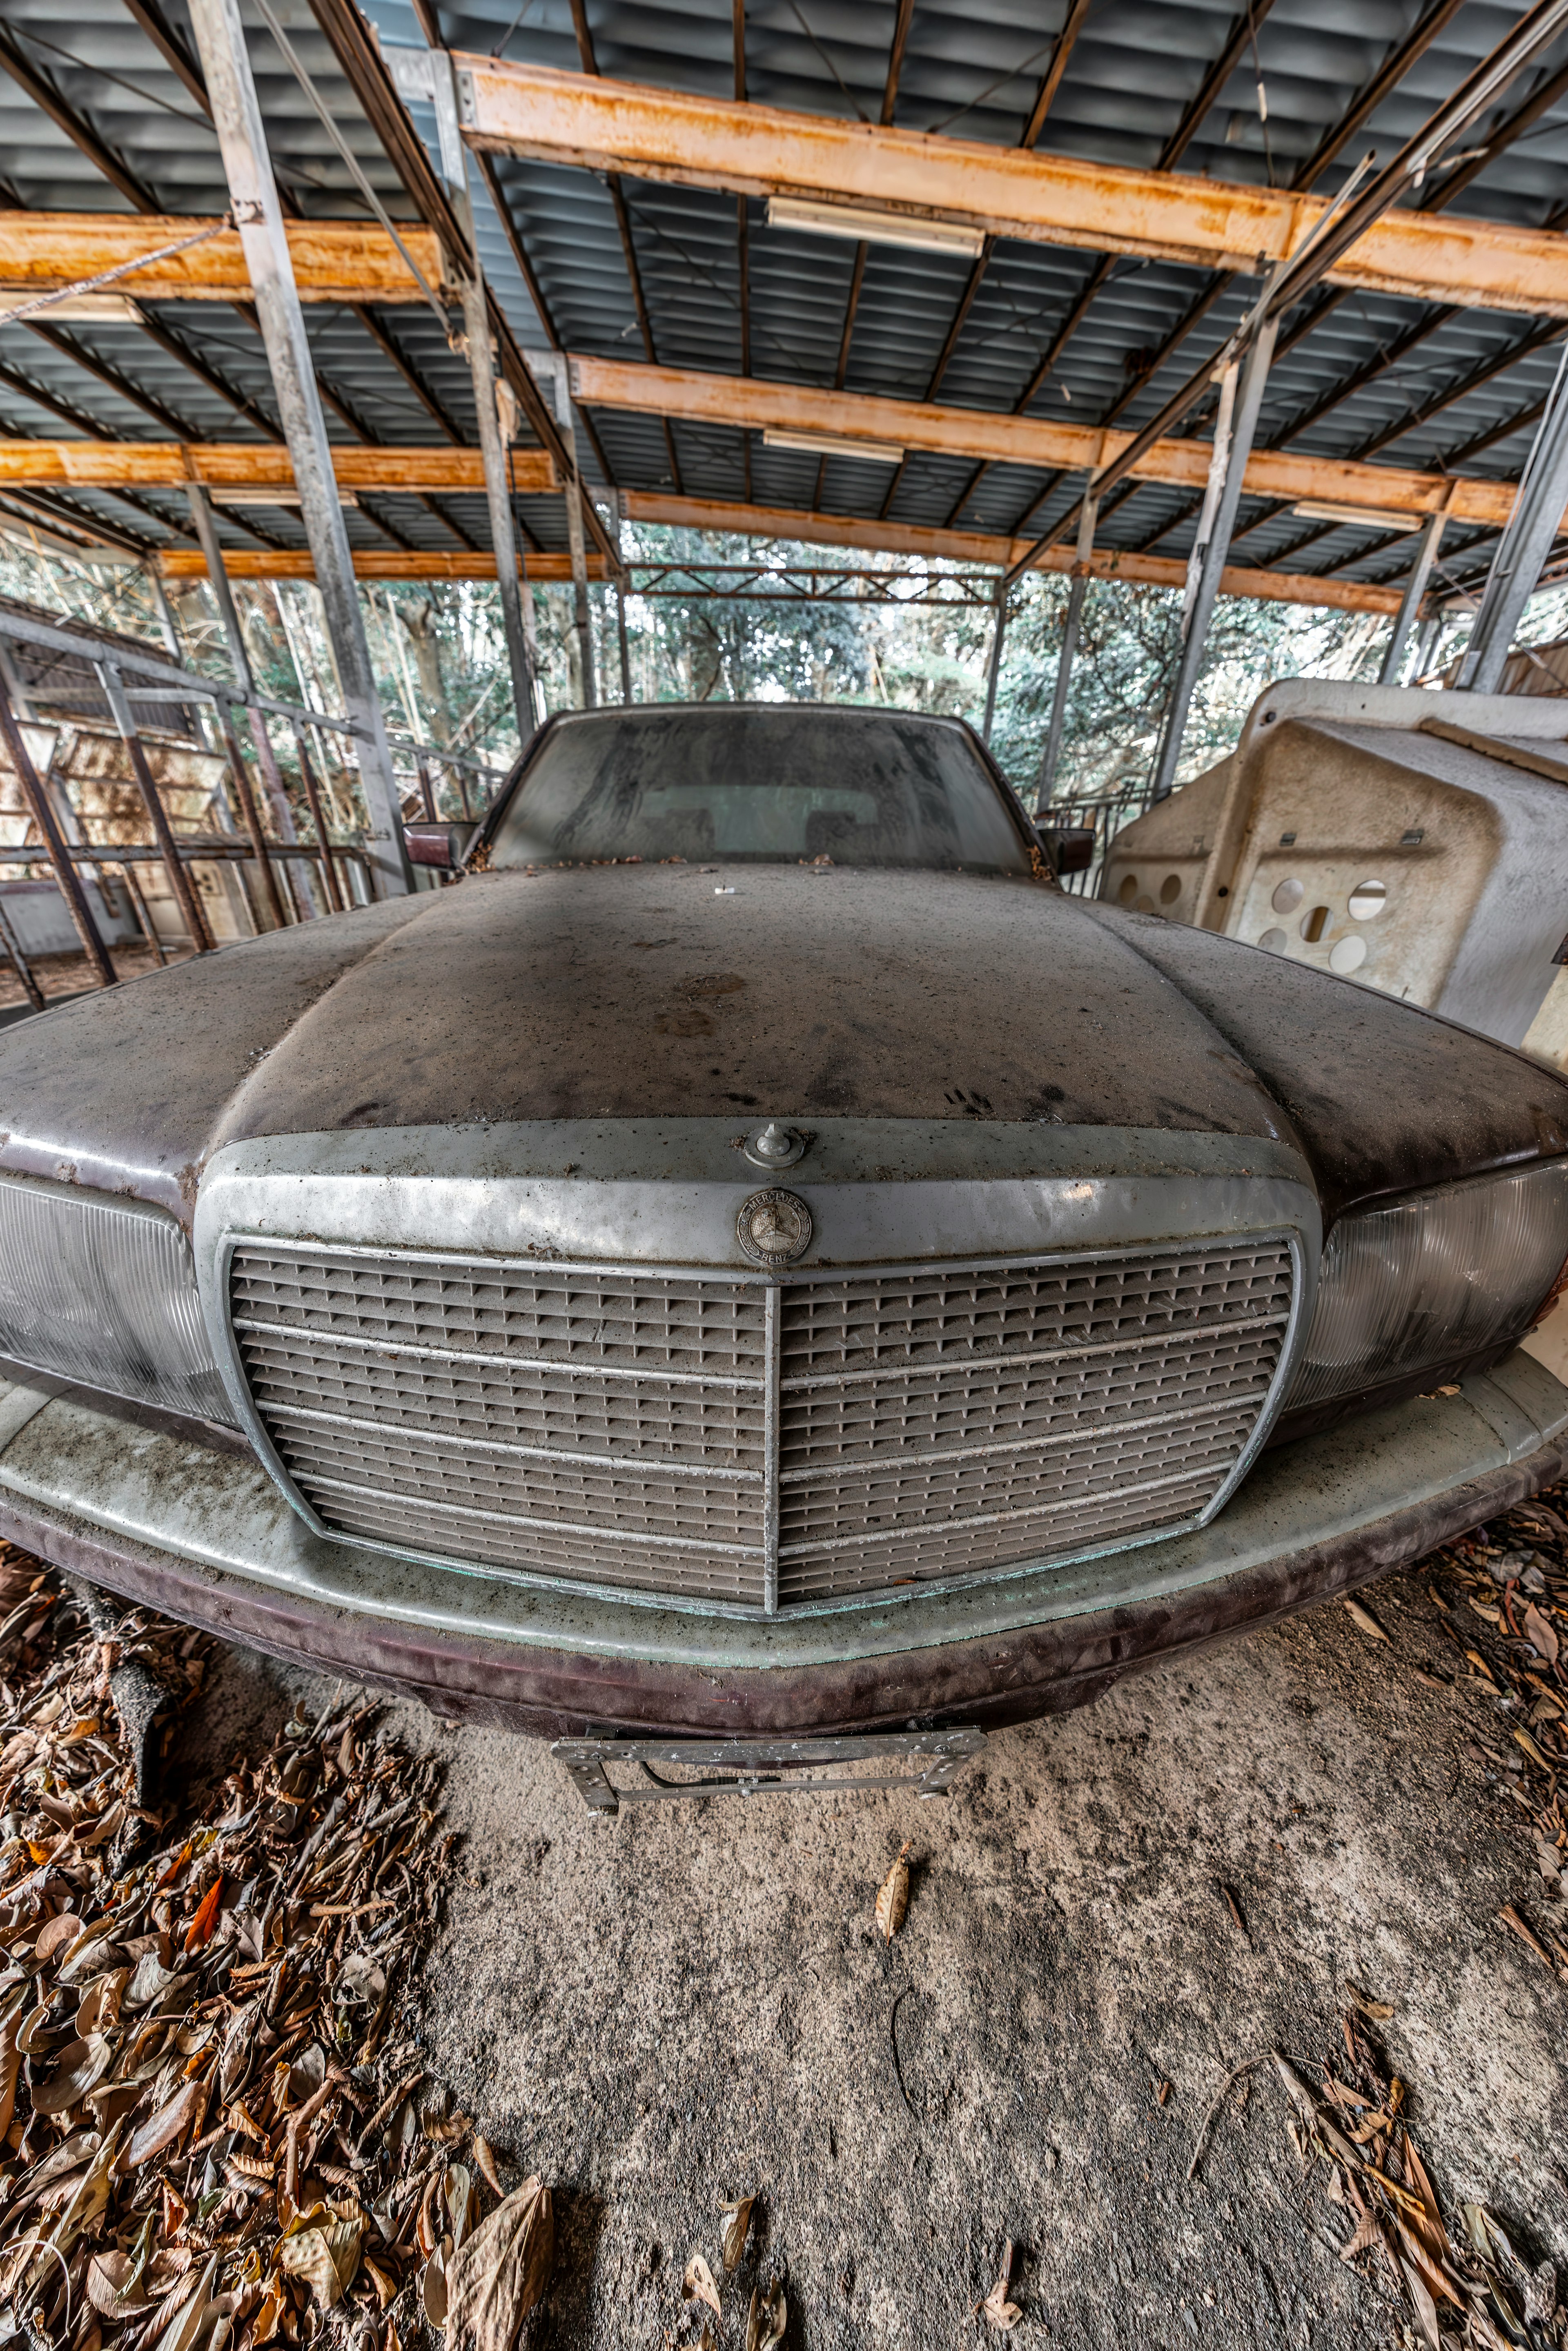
<point>1383,82</point>
<point>354,44</point>
<point>1107,563</point>
<point>715,143</point>
<point>169,44</point>
<point>750,403</point>
<point>334,261</point>
<point>373,563</point>
<point>227,466</point>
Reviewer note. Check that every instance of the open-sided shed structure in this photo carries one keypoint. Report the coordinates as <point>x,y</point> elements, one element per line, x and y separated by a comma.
<point>896,276</point>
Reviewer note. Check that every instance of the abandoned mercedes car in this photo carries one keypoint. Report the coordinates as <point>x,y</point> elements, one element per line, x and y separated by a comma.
<point>751,1255</point>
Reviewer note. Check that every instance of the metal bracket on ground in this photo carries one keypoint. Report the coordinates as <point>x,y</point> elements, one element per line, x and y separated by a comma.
<point>758,1765</point>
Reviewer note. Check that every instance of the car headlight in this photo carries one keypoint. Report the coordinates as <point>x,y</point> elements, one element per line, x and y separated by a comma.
<point>1433,1278</point>
<point>103,1291</point>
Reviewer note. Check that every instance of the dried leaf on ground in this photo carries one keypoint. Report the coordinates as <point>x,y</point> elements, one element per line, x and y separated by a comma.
<point>1377,2012</point>
<point>1477,2279</point>
<point>1365,1619</point>
<point>323,2252</point>
<point>202,2060</point>
<point>997,2310</point>
<point>1540,1634</point>
<point>768,2319</point>
<point>495,2279</point>
<point>892,1896</point>
<point>736,2219</point>
<point>698,2285</point>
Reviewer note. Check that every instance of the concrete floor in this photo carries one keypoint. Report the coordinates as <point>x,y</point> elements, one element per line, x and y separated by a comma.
<point>689,2004</point>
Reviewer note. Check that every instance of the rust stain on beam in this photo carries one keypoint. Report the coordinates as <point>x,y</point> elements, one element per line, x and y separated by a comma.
<point>750,403</point>
<point>255,467</point>
<point>784,522</point>
<point>370,564</point>
<point>747,149</point>
<point>334,261</point>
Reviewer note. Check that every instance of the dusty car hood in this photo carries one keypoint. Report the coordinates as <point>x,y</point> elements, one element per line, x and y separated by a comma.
<point>642,992</point>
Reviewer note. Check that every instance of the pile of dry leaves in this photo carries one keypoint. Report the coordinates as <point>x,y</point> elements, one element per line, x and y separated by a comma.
<point>1471,2284</point>
<point>1502,1594</point>
<point>215,2134</point>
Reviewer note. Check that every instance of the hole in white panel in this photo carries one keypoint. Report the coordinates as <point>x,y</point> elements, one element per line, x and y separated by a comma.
<point>1367,899</point>
<point>1170,889</point>
<point>1348,955</point>
<point>1288,896</point>
<point>1127,888</point>
<point>1274,941</point>
<point>1314,923</point>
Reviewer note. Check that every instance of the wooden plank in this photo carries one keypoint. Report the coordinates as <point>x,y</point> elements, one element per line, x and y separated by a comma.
<point>712,141</point>
<point>334,261</point>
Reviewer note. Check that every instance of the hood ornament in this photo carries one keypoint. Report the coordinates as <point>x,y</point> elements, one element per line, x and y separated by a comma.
<point>774,1146</point>
<point>774,1229</point>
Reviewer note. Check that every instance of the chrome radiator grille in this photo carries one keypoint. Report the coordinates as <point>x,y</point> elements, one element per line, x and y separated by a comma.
<point>724,1439</point>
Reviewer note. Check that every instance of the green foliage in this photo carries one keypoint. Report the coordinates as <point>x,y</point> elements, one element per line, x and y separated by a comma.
<point>439,652</point>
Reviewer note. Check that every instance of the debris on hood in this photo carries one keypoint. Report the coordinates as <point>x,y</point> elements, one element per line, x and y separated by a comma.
<point>215,2131</point>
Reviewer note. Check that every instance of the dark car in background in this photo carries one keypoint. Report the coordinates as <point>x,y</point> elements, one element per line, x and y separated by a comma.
<point>751,1255</point>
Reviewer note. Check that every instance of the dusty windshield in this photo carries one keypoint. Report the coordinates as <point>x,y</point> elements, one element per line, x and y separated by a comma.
<point>760,784</point>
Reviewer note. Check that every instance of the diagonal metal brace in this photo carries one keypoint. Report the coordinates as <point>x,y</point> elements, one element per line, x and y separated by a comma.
<point>760,1765</point>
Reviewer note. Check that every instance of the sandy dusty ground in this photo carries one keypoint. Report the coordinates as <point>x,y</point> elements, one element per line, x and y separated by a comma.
<point>689,2003</point>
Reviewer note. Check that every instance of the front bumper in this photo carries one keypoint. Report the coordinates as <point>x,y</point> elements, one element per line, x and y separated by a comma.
<point>201,1531</point>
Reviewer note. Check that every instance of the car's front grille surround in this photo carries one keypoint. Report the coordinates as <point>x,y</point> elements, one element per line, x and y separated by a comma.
<point>746,1442</point>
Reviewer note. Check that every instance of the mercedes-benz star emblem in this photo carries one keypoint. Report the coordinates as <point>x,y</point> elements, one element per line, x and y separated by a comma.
<point>774,1229</point>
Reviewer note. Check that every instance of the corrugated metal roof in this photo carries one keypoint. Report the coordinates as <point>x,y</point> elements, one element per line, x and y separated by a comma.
<point>1127,97</point>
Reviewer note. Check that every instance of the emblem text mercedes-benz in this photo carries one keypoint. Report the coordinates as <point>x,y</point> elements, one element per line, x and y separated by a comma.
<point>774,1229</point>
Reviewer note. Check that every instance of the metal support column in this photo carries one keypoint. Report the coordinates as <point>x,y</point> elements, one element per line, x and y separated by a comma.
<point>498,495</point>
<point>237,117</point>
<point>179,873</point>
<point>283,815</point>
<point>206,531</point>
<point>625,649</point>
<point>323,839</point>
<point>493,440</point>
<point>49,833</point>
<point>1426,548</point>
<point>1426,645</point>
<point>994,664</point>
<point>1249,403</point>
<point>252,822</point>
<point>582,620</point>
<point>1077,589</point>
<point>1522,550</point>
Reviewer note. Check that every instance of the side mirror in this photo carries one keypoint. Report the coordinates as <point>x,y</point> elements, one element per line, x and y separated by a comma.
<point>443,846</point>
<point>1068,847</point>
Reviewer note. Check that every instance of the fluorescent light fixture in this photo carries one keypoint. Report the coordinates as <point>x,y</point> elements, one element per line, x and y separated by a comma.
<point>832,444</point>
<point>866,223</point>
<point>1367,517</point>
<point>82,309</point>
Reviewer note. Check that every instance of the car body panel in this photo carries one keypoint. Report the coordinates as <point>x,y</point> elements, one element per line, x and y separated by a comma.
<point>126,1499</point>
<point>566,1065</point>
<point>632,992</point>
